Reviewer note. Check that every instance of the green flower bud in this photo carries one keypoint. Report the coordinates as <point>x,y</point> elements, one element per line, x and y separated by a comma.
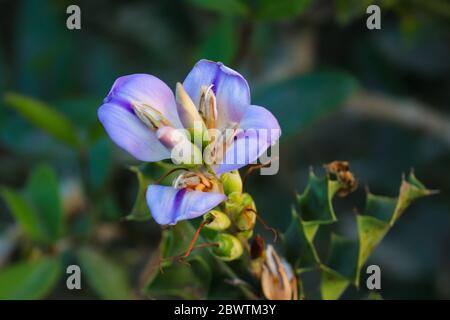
<point>241,208</point>
<point>244,235</point>
<point>232,182</point>
<point>230,248</point>
<point>246,220</point>
<point>219,220</point>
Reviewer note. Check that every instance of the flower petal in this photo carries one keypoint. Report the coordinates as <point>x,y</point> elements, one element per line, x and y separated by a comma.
<point>169,205</point>
<point>256,117</point>
<point>129,133</point>
<point>259,129</point>
<point>231,89</point>
<point>147,89</point>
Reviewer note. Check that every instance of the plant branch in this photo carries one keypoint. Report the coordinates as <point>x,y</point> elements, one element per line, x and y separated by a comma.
<point>406,112</point>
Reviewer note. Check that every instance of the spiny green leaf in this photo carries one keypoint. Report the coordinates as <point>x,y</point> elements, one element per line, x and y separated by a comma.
<point>380,207</point>
<point>298,247</point>
<point>347,257</point>
<point>43,191</point>
<point>301,100</point>
<point>25,215</point>
<point>332,284</point>
<point>410,190</point>
<point>106,278</point>
<point>370,233</point>
<point>29,280</point>
<point>343,257</point>
<point>315,203</point>
<point>44,117</point>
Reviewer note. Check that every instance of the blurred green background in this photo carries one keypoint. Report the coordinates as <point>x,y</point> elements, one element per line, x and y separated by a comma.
<point>376,98</point>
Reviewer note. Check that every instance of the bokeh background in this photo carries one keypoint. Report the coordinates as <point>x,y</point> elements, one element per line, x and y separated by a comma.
<point>376,98</point>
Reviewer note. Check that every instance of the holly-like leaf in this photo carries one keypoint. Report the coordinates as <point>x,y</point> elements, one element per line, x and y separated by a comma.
<point>298,247</point>
<point>315,203</point>
<point>332,284</point>
<point>29,280</point>
<point>347,257</point>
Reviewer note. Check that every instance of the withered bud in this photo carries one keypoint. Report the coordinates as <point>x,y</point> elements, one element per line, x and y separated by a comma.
<point>277,278</point>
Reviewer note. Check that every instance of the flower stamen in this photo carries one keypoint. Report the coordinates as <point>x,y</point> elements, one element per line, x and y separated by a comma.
<point>150,116</point>
<point>207,106</point>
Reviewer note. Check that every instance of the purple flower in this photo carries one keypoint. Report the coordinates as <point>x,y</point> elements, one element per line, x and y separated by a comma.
<point>140,113</point>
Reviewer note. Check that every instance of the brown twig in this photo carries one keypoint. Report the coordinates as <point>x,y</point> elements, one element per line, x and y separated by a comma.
<point>265,225</point>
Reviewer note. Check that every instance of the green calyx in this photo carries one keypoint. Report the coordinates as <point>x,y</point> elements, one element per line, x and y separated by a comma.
<point>219,220</point>
<point>229,247</point>
<point>241,208</point>
<point>232,182</point>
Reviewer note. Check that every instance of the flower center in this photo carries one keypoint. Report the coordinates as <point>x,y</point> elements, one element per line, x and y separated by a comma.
<point>197,181</point>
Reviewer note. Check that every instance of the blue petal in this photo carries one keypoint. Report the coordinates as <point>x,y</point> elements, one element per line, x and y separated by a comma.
<point>231,89</point>
<point>129,133</point>
<point>147,89</point>
<point>169,205</point>
<point>259,130</point>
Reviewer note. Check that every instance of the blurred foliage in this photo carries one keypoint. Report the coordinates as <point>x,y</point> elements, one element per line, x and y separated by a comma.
<point>67,192</point>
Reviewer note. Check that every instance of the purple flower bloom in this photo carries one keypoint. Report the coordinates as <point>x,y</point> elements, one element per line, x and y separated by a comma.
<point>140,112</point>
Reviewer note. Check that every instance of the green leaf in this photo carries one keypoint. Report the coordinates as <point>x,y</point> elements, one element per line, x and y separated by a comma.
<point>220,44</point>
<point>332,284</point>
<point>298,247</point>
<point>280,10</point>
<point>231,7</point>
<point>43,191</point>
<point>181,280</point>
<point>347,257</point>
<point>186,281</point>
<point>410,190</point>
<point>370,233</point>
<point>99,163</point>
<point>147,174</point>
<point>44,117</point>
<point>299,101</point>
<point>25,215</point>
<point>343,256</point>
<point>315,203</point>
<point>346,10</point>
<point>140,209</point>
<point>107,279</point>
<point>30,280</point>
